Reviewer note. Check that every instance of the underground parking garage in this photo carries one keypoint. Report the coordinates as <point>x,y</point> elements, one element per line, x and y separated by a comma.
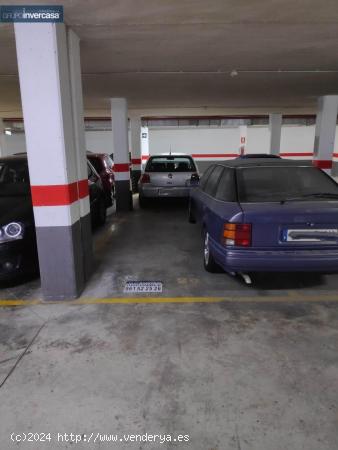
<point>169,226</point>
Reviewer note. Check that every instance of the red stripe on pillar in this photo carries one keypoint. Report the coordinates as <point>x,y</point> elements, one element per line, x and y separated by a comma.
<point>322,164</point>
<point>83,188</point>
<point>121,167</point>
<point>59,194</point>
<point>54,195</point>
<point>136,161</point>
<point>335,155</point>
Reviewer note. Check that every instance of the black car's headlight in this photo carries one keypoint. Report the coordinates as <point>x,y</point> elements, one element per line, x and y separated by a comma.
<point>11,232</point>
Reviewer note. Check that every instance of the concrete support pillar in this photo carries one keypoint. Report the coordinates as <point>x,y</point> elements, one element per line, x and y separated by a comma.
<point>243,130</point>
<point>275,128</point>
<point>325,131</point>
<point>2,138</point>
<point>136,157</point>
<point>144,144</point>
<point>119,113</point>
<point>80,147</point>
<point>57,186</point>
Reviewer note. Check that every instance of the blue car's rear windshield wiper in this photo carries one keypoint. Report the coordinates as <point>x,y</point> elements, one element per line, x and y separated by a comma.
<point>313,194</point>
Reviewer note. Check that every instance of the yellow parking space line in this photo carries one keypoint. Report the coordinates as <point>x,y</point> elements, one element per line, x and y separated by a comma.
<point>19,302</point>
<point>132,300</point>
<point>287,298</point>
<point>225,299</point>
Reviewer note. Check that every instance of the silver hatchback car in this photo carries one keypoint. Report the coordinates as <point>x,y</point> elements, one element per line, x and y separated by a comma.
<point>167,176</point>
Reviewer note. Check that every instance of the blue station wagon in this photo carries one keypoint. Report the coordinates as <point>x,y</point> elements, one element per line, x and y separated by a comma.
<point>260,215</point>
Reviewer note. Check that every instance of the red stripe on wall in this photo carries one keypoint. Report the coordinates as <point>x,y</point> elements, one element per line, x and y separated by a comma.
<point>203,155</point>
<point>296,154</point>
<point>322,164</point>
<point>215,155</point>
<point>234,155</point>
<point>59,194</point>
<point>136,161</point>
<point>121,167</point>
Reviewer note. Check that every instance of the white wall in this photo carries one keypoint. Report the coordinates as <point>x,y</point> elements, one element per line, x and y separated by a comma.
<point>96,141</point>
<point>258,139</point>
<point>294,139</point>
<point>197,141</point>
<point>15,143</point>
<point>193,140</point>
<point>99,141</point>
<point>297,139</point>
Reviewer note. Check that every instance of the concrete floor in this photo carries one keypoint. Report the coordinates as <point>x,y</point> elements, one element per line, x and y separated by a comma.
<point>258,370</point>
<point>230,375</point>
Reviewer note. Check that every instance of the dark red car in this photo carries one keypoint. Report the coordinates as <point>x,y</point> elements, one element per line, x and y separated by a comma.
<point>103,165</point>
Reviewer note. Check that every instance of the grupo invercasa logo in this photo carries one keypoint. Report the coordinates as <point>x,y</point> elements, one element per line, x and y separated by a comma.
<point>31,13</point>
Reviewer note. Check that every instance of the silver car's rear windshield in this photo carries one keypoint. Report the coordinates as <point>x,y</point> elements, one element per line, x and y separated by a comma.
<point>170,164</point>
<point>274,184</point>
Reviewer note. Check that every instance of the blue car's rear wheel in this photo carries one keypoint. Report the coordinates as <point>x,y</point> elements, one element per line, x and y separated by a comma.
<point>209,263</point>
<point>191,215</point>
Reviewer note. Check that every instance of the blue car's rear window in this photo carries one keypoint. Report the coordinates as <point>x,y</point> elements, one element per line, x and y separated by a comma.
<point>269,184</point>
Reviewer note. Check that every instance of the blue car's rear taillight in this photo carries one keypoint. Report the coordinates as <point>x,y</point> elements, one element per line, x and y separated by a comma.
<point>237,234</point>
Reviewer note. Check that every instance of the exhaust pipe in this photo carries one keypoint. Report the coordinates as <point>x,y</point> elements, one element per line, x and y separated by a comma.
<point>246,278</point>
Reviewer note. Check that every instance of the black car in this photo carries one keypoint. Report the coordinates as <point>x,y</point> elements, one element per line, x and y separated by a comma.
<point>18,248</point>
<point>97,196</point>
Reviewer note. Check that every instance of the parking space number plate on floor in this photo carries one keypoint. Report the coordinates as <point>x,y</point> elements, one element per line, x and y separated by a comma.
<point>143,286</point>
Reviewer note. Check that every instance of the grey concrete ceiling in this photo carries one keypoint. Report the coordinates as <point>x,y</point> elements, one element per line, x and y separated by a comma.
<point>180,54</point>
